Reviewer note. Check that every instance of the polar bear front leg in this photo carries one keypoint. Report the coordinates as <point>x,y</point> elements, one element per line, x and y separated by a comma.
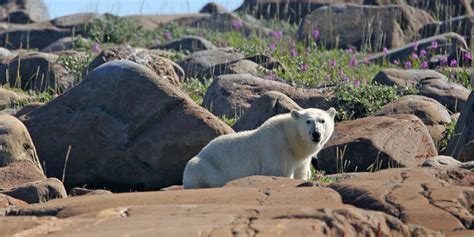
<point>303,171</point>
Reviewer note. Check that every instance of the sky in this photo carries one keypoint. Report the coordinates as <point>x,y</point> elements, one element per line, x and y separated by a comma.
<point>132,7</point>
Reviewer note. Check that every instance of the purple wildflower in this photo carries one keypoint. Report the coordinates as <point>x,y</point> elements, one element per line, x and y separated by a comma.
<point>396,62</point>
<point>423,53</point>
<point>293,53</point>
<point>167,35</point>
<point>414,56</point>
<point>453,63</point>
<point>444,60</point>
<point>353,62</point>
<point>332,63</point>
<point>345,79</point>
<point>96,48</point>
<point>315,34</point>
<point>276,35</point>
<point>350,50</point>
<point>385,51</point>
<point>237,24</point>
<point>357,83</point>
<point>467,56</point>
<point>408,64</point>
<point>303,67</point>
<point>272,47</point>
<point>434,44</point>
<point>424,65</point>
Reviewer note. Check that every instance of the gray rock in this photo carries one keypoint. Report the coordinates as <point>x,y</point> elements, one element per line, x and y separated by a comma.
<point>440,162</point>
<point>203,62</point>
<point>187,44</point>
<point>268,105</point>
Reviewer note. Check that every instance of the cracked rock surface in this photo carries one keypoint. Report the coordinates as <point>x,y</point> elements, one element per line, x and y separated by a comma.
<point>439,199</point>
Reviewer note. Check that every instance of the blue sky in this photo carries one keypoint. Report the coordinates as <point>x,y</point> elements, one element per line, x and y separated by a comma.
<point>131,7</point>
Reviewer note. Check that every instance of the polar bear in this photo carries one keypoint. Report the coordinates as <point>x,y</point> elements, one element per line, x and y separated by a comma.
<point>282,146</point>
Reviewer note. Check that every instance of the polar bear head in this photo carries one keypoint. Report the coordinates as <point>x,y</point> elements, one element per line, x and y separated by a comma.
<point>314,125</point>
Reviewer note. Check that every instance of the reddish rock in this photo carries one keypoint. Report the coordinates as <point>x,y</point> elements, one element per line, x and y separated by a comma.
<point>375,143</point>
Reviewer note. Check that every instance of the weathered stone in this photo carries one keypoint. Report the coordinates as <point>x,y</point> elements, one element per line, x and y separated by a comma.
<point>226,22</point>
<point>15,142</point>
<point>151,59</point>
<point>375,143</point>
<point>449,45</point>
<point>19,173</point>
<point>23,11</point>
<point>434,115</point>
<point>266,205</point>
<point>32,36</point>
<point>441,162</point>
<point>203,62</point>
<point>35,71</point>
<point>67,43</point>
<point>439,199</point>
<point>84,191</point>
<point>187,44</point>
<point>232,95</point>
<point>104,137</point>
<point>28,108</point>
<point>430,83</point>
<point>213,8</point>
<point>241,66</point>
<point>268,105</point>
<point>461,25</point>
<point>363,27</point>
<point>463,134</point>
<point>38,191</point>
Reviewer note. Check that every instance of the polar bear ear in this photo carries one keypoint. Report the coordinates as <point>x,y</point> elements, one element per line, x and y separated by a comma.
<point>295,114</point>
<point>332,112</point>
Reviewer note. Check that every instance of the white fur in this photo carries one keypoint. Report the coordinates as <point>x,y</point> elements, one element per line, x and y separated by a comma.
<point>282,146</point>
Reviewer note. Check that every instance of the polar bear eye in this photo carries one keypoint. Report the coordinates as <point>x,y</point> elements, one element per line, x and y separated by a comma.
<point>308,121</point>
<point>321,120</point>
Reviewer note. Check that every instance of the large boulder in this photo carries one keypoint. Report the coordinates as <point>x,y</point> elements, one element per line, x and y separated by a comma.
<point>36,71</point>
<point>38,191</point>
<point>122,120</point>
<point>439,199</point>
<point>150,58</point>
<point>434,115</point>
<point>430,83</point>
<point>23,11</point>
<point>375,143</point>
<point>461,146</point>
<point>266,106</point>
<point>226,22</point>
<point>363,27</point>
<point>233,94</point>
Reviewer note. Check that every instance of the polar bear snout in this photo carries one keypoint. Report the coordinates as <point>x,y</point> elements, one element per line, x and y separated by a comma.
<point>316,136</point>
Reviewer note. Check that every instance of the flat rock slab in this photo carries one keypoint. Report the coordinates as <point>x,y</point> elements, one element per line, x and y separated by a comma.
<point>230,211</point>
<point>439,199</point>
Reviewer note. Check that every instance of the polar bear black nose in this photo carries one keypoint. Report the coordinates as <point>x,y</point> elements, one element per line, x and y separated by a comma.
<point>316,136</point>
